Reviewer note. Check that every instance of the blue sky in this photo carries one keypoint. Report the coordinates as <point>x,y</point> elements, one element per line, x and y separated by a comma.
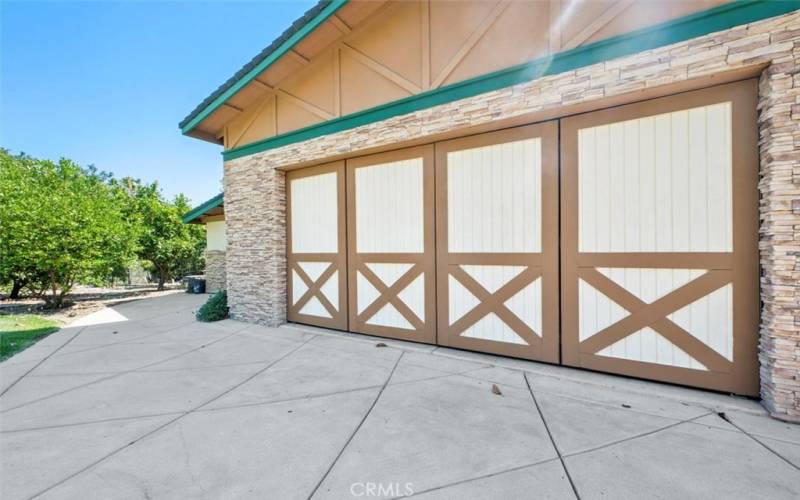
<point>106,83</point>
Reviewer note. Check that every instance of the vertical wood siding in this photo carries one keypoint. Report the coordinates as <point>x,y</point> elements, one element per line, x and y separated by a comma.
<point>389,208</point>
<point>657,184</point>
<point>315,214</point>
<point>494,198</point>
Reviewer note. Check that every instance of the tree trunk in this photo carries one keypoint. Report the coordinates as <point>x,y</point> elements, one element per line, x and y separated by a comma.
<point>161,280</point>
<point>16,287</point>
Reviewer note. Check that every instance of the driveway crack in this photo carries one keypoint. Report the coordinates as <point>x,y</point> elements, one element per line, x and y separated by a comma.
<point>550,435</point>
<point>727,419</point>
<point>358,427</point>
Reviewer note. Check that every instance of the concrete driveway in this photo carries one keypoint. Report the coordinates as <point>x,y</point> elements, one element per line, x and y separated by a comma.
<point>160,406</point>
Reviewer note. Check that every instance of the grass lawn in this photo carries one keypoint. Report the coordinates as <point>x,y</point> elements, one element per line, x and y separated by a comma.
<point>20,331</point>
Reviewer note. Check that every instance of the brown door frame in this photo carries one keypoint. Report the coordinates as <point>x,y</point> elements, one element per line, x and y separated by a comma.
<point>422,263</point>
<point>740,267</point>
<point>338,261</point>
<point>544,347</point>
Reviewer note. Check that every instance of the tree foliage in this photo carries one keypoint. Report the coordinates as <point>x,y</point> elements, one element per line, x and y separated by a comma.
<point>60,224</point>
<point>171,248</point>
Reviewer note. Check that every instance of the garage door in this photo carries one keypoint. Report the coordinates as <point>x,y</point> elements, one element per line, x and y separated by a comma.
<point>659,239</point>
<point>497,242</point>
<point>621,240</point>
<point>316,260</point>
<point>391,244</point>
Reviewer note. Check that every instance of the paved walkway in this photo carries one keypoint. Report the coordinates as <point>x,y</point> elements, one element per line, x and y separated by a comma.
<point>160,406</point>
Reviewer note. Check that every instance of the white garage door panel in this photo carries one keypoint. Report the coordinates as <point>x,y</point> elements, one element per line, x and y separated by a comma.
<point>315,214</point>
<point>391,247</point>
<point>659,233</point>
<point>316,257</point>
<point>494,203</point>
<point>657,184</point>
<point>498,206</point>
<point>494,206</point>
<point>389,208</point>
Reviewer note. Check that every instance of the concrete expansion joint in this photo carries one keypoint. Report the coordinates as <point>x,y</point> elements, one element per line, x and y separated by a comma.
<point>34,367</point>
<point>358,427</point>
<point>179,416</point>
<point>117,374</point>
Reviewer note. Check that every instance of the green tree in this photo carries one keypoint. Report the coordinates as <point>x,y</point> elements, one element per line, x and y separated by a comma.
<point>17,265</point>
<point>172,249</point>
<point>60,224</point>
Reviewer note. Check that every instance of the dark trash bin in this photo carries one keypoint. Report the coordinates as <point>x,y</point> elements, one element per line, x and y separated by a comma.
<point>195,284</point>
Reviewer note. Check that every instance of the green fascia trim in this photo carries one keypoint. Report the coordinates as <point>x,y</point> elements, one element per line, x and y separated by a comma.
<point>702,23</point>
<point>266,63</point>
<point>199,210</point>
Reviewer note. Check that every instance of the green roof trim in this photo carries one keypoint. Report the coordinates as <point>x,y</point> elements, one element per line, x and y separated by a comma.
<point>291,37</point>
<point>694,25</point>
<point>204,207</point>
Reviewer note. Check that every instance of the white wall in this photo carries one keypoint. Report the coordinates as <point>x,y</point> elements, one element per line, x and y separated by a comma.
<point>215,235</point>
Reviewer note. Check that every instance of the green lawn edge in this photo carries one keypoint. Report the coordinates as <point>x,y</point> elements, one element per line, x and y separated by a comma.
<point>20,331</point>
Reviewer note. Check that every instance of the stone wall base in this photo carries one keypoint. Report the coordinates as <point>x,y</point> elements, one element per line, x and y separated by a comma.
<point>215,271</point>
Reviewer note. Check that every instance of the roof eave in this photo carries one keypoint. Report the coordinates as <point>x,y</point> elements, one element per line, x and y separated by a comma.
<point>194,214</point>
<point>235,84</point>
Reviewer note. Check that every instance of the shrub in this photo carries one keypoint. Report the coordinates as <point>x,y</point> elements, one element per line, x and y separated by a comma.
<point>215,309</point>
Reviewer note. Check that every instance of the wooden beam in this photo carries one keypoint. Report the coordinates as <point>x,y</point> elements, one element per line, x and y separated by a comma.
<point>266,86</point>
<point>337,81</point>
<point>554,36</point>
<point>593,27</point>
<point>470,43</point>
<point>250,121</point>
<point>425,19</point>
<point>306,105</point>
<point>231,106</point>
<point>294,55</point>
<point>340,25</point>
<point>382,70</point>
<point>275,112</point>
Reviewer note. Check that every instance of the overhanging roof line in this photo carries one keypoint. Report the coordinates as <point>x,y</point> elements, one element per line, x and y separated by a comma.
<point>204,207</point>
<point>307,23</point>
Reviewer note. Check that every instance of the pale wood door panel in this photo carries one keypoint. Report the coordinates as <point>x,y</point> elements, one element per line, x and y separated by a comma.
<point>316,246</point>
<point>390,225</point>
<point>659,239</point>
<point>497,242</point>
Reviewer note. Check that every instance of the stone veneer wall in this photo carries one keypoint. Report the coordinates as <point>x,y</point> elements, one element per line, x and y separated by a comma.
<point>255,217</point>
<point>215,271</point>
<point>255,191</point>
